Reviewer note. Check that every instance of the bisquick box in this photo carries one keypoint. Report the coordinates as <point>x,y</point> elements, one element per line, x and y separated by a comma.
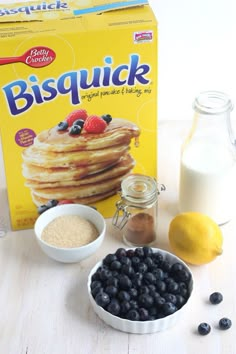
<point>57,57</point>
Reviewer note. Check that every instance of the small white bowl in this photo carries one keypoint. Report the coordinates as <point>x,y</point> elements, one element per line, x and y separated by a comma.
<point>141,327</point>
<point>76,254</point>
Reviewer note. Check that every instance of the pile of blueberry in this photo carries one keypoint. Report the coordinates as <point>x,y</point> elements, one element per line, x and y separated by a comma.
<point>140,284</point>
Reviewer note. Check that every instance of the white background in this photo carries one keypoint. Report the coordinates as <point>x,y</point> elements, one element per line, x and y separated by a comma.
<point>197,52</point>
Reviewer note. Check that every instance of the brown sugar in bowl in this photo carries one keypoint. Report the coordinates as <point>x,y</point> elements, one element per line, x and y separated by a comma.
<point>64,244</point>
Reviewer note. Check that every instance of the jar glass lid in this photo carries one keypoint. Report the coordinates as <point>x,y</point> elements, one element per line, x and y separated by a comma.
<point>139,188</point>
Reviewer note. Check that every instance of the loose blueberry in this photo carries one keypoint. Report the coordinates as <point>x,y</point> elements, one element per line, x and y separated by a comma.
<point>204,328</point>
<point>75,130</point>
<point>62,126</point>
<point>107,118</point>
<point>215,298</point>
<point>225,323</point>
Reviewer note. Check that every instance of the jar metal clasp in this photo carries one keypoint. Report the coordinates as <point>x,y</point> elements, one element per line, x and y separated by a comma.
<point>121,210</point>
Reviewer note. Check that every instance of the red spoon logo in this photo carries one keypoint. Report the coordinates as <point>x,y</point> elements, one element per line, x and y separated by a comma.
<point>36,57</point>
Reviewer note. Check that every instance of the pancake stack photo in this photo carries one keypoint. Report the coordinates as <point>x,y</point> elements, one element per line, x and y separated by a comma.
<point>83,168</point>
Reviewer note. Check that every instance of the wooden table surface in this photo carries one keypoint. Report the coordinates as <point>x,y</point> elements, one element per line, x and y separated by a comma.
<point>44,307</point>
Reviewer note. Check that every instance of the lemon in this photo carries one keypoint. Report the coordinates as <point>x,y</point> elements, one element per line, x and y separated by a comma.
<point>195,238</point>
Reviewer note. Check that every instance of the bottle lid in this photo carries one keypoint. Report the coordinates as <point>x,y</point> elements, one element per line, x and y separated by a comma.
<point>139,188</point>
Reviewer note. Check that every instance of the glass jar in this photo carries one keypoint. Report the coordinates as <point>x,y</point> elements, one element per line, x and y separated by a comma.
<point>136,213</point>
<point>208,160</point>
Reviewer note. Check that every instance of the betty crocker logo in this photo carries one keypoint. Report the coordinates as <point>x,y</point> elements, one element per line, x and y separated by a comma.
<point>35,57</point>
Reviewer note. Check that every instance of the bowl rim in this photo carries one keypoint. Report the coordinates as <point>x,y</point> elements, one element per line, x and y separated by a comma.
<point>65,206</point>
<point>159,320</point>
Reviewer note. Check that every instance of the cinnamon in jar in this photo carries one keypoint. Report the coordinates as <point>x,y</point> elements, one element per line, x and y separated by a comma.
<point>136,213</point>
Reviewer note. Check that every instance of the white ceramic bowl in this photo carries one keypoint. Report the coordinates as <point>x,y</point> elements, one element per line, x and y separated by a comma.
<point>70,255</point>
<point>141,327</point>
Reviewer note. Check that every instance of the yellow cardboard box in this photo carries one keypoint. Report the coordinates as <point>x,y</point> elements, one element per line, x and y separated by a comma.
<point>76,59</point>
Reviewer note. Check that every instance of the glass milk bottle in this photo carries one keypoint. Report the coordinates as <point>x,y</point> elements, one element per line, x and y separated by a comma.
<point>208,160</point>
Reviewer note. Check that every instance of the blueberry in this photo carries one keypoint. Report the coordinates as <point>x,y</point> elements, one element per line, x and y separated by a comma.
<point>52,203</point>
<point>62,126</point>
<point>166,266</point>
<point>135,261</point>
<point>96,290</point>
<point>115,265</point>
<point>161,286</point>
<point>152,289</point>
<point>79,122</point>
<point>124,295</point>
<point>127,269</point>
<point>149,262</point>
<point>133,304</point>
<point>130,253</point>
<point>125,307</point>
<point>112,281</point>
<point>159,300</point>
<point>168,308</point>
<point>111,290</point>
<point>142,267</point>
<point>153,311</point>
<point>120,252</point>
<point>182,275</point>
<point>105,274</point>
<point>149,278</point>
<point>176,267</point>
<point>137,280</point>
<point>139,252</point>
<point>133,315</point>
<point>107,118</point>
<point>145,300</point>
<point>158,273</point>
<point>133,293</point>
<point>109,258</point>
<point>143,313</point>
<point>157,257</point>
<point>225,323</point>
<point>125,260</point>
<point>42,208</point>
<point>95,283</point>
<point>144,290</point>
<point>75,130</point>
<point>180,301</point>
<point>204,328</point>
<point>114,307</point>
<point>125,282</point>
<point>215,298</point>
<point>102,299</point>
<point>170,298</point>
<point>173,287</point>
<point>147,251</point>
